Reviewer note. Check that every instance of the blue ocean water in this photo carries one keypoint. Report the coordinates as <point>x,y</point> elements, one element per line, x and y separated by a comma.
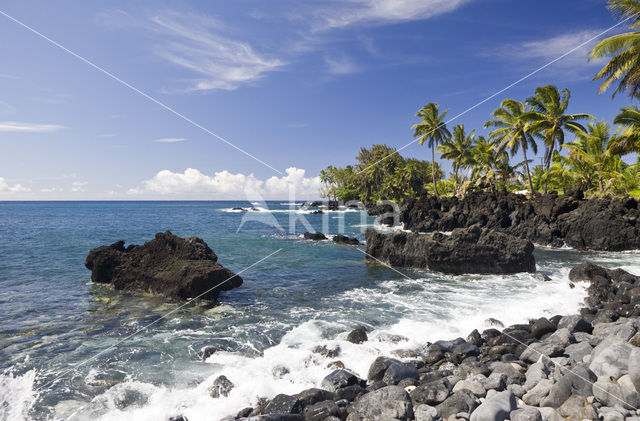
<point>60,350</point>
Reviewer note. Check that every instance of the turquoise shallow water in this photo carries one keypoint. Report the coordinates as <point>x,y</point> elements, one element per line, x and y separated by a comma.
<point>52,318</point>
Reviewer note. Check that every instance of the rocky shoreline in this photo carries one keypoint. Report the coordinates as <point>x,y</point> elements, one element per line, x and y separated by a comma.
<point>572,367</point>
<point>572,220</point>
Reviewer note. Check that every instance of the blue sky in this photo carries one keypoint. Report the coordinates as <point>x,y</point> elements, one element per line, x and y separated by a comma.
<point>298,85</point>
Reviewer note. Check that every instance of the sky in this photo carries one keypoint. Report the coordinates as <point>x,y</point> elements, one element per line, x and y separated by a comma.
<point>136,100</point>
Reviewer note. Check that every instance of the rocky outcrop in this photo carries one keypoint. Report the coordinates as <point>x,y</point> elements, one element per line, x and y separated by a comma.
<point>379,208</point>
<point>470,250</point>
<point>314,236</point>
<point>167,265</point>
<point>609,223</point>
<point>343,239</point>
<point>617,287</point>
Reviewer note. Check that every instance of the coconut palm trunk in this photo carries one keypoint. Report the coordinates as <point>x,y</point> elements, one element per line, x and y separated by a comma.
<point>600,185</point>
<point>547,164</point>
<point>455,178</point>
<point>526,165</point>
<point>433,170</point>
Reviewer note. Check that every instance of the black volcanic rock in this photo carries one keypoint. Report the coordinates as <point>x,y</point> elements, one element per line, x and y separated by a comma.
<point>167,265</point>
<point>315,236</point>
<point>343,239</point>
<point>378,208</point>
<point>471,250</point>
<point>608,223</point>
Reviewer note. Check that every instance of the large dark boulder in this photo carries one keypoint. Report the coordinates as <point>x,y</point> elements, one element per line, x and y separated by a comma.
<point>283,404</point>
<point>598,223</point>
<point>379,208</point>
<point>343,239</point>
<point>167,265</point>
<point>358,335</point>
<point>470,250</point>
<point>604,283</point>
<point>338,379</point>
<point>315,236</point>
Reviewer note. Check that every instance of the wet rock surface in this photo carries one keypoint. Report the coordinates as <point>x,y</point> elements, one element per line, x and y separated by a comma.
<point>469,250</point>
<point>168,265</point>
<point>314,236</point>
<point>573,367</point>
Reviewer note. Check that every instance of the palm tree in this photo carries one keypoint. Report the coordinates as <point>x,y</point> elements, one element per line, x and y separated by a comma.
<point>549,120</point>
<point>484,161</point>
<point>512,131</point>
<point>629,139</point>
<point>628,179</point>
<point>564,173</point>
<point>592,153</point>
<point>456,149</point>
<point>434,129</point>
<point>625,49</point>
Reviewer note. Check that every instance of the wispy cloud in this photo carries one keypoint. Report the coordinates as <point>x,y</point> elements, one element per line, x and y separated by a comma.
<point>551,48</point>
<point>51,190</point>
<point>12,126</point>
<point>380,12</point>
<point>199,44</point>
<point>169,139</point>
<point>78,186</point>
<point>341,65</point>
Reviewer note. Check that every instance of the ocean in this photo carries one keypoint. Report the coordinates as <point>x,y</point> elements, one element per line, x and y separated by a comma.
<point>65,350</point>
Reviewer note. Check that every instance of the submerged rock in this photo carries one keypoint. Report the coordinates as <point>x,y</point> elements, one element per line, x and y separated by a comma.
<point>221,387</point>
<point>358,335</point>
<point>167,265</point>
<point>470,250</point>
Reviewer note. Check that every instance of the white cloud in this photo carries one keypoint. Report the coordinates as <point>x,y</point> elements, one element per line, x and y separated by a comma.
<point>195,44</point>
<point>549,49</point>
<point>169,139</point>
<point>5,187</point>
<point>78,186</point>
<point>341,65</point>
<point>378,12</point>
<point>12,126</point>
<point>226,185</point>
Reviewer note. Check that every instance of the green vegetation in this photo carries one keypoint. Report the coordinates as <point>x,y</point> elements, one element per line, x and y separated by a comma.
<point>590,162</point>
<point>624,66</point>
<point>431,128</point>
<point>380,173</point>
